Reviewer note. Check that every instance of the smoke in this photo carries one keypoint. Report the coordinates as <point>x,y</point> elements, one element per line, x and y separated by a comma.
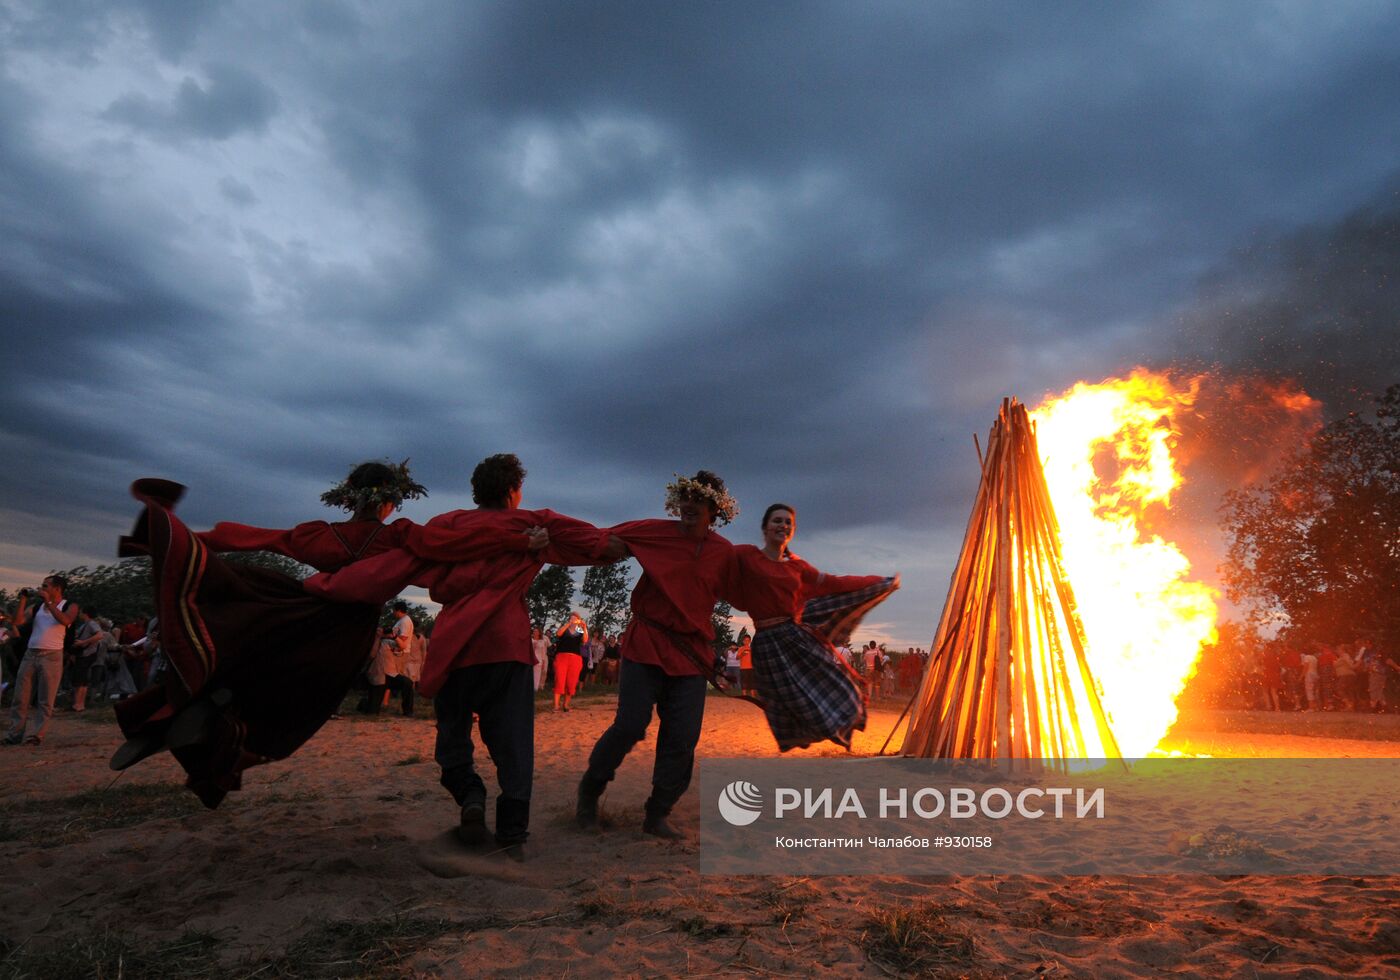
<point>1317,309</point>
<point>1229,432</point>
<point>1240,427</point>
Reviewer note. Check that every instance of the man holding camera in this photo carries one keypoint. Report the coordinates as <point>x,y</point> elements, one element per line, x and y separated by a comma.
<point>387,664</point>
<point>43,658</point>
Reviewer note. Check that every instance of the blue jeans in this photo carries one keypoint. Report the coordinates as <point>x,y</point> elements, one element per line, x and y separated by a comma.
<point>46,668</point>
<point>679,703</point>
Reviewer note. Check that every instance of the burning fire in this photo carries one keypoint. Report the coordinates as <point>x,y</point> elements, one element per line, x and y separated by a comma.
<point>1107,450</point>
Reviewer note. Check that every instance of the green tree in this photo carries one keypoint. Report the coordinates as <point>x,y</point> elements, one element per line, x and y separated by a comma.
<point>1316,548</point>
<point>605,595</point>
<point>724,629</point>
<point>551,596</point>
<point>121,592</point>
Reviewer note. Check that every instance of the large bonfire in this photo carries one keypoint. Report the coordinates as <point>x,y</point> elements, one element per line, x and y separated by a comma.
<point>1069,629</point>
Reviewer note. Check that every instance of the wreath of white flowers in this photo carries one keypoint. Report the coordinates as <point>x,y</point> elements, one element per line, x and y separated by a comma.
<point>726,508</point>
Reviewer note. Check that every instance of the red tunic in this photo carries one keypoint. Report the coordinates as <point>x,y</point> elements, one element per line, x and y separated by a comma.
<point>768,589</point>
<point>320,544</point>
<point>484,618</point>
<point>673,602</point>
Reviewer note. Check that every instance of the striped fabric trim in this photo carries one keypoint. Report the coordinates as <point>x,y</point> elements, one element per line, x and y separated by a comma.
<point>181,565</point>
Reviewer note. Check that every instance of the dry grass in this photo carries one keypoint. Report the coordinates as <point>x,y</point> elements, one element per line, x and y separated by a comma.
<point>789,902</point>
<point>919,941</point>
<point>110,955</point>
<point>57,822</point>
<point>376,948</point>
<point>71,819</point>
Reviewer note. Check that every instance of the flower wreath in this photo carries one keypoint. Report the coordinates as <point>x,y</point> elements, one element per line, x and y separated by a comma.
<point>726,507</point>
<point>398,488</point>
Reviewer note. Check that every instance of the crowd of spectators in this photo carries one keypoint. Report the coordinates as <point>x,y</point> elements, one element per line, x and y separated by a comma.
<point>1326,677</point>
<point>56,655</point>
<point>104,661</point>
<point>888,673</point>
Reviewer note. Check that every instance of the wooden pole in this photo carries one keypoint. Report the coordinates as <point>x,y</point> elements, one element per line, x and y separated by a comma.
<point>1009,672</point>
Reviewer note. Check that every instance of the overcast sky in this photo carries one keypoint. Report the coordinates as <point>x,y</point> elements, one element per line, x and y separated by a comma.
<point>807,245</point>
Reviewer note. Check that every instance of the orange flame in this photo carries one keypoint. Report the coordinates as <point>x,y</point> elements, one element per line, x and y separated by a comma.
<point>1108,455</point>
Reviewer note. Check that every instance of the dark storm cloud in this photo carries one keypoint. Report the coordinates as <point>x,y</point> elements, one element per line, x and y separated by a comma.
<point>233,101</point>
<point>808,245</point>
<point>1319,305</point>
<point>80,290</point>
<point>966,139</point>
<point>174,24</point>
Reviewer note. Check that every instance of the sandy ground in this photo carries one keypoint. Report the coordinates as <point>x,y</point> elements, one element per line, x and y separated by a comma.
<point>353,830</point>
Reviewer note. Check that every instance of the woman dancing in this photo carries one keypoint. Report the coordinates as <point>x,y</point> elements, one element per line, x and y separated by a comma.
<point>809,692</point>
<point>257,665</point>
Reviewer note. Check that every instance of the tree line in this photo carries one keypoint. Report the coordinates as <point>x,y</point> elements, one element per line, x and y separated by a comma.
<point>1314,550</point>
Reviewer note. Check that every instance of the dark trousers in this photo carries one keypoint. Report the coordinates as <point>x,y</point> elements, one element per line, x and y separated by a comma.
<point>404,685</point>
<point>680,705</point>
<point>502,696</point>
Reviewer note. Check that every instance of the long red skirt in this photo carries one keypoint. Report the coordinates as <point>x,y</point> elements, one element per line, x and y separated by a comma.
<point>285,658</point>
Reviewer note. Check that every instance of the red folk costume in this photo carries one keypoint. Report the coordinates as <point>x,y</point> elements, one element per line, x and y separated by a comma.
<point>285,658</point>
<point>673,603</point>
<point>479,663</point>
<point>809,692</point>
<point>324,546</point>
<point>666,655</point>
<point>484,617</point>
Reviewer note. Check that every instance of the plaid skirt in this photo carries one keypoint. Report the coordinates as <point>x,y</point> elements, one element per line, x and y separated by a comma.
<point>809,692</point>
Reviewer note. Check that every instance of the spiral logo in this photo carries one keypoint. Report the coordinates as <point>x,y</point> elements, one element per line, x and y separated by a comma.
<point>740,803</point>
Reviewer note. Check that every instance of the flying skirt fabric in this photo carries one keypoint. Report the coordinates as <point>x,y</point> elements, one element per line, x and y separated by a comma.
<point>282,659</point>
<point>809,692</point>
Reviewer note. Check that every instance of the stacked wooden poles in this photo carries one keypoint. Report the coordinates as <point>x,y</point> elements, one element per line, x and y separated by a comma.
<point>1007,676</point>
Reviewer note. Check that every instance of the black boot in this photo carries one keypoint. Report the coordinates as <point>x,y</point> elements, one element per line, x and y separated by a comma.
<point>133,750</point>
<point>656,824</point>
<point>471,826</point>
<point>512,826</point>
<point>586,809</point>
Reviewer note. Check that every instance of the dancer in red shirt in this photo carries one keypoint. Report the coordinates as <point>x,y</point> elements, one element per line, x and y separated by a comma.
<point>257,665</point>
<point>481,661</point>
<point>809,692</point>
<point>666,654</point>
